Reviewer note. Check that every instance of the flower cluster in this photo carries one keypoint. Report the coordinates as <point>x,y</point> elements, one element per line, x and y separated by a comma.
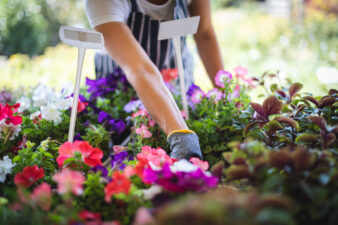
<point>9,121</point>
<point>114,125</point>
<point>181,177</point>
<point>88,155</point>
<point>29,176</point>
<point>6,166</point>
<point>119,184</point>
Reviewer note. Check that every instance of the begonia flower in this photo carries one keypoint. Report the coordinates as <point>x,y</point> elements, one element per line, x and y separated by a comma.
<point>29,176</point>
<point>69,181</point>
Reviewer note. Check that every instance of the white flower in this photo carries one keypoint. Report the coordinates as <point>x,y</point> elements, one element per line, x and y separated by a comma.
<point>62,103</point>
<point>42,95</point>
<point>67,89</point>
<point>50,113</point>
<point>25,103</point>
<point>5,128</point>
<point>183,166</point>
<point>6,166</point>
<point>150,193</point>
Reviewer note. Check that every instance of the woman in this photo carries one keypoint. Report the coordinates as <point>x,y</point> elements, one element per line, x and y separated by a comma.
<point>130,29</point>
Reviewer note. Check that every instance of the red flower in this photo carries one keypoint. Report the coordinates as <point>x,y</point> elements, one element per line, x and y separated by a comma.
<point>81,106</point>
<point>120,184</point>
<point>28,176</point>
<point>90,156</point>
<point>89,216</point>
<point>169,74</point>
<point>7,113</point>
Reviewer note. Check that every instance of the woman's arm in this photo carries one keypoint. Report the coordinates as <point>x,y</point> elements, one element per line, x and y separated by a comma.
<point>143,75</point>
<point>205,38</point>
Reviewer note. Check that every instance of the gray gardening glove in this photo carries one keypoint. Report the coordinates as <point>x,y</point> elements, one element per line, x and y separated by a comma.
<point>184,145</point>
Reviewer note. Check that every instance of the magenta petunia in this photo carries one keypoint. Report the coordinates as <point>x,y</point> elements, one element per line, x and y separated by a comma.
<point>214,94</point>
<point>223,77</point>
<point>197,96</point>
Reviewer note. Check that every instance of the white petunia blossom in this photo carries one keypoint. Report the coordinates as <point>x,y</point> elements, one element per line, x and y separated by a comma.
<point>6,166</point>
<point>9,128</point>
<point>67,89</point>
<point>50,113</point>
<point>25,103</point>
<point>63,104</point>
<point>42,95</point>
<point>183,166</point>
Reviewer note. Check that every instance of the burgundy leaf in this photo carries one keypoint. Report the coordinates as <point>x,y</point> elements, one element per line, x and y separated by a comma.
<point>289,121</point>
<point>272,105</point>
<point>326,100</point>
<point>307,138</point>
<point>217,169</point>
<point>274,126</point>
<point>330,138</point>
<point>280,159</point>
<point>333,92</point>
<point>312,99</point>
<point>294,89</point>
<point>281,93</point>
<point>302,160</point>
<point>300,109</point>
<point>258,108</point>
<point>319,121</point>
<point>238,172</point>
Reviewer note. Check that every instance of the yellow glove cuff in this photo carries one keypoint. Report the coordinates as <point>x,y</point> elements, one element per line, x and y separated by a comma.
<point>181,131</point>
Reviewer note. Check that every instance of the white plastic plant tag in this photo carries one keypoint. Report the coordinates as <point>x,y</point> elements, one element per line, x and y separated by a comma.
<point>175,29</point>
<point>178,28</point>
<point>81,38</point>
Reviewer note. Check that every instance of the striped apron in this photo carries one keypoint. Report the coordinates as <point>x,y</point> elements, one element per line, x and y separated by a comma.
<point>162,53</point>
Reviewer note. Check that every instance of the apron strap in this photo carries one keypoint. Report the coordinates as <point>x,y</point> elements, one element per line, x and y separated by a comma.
<point>133,5</point>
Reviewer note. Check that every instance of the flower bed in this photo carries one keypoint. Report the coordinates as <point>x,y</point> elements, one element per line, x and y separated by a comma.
<point>269,163</point>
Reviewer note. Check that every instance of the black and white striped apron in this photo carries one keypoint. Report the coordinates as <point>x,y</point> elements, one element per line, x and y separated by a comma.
<point>162,53</point>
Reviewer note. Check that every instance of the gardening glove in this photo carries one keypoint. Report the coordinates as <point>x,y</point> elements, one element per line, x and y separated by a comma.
<point>184,144</point>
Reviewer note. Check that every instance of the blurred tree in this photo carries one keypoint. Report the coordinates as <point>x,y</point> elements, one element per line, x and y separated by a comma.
<point>30,26</point>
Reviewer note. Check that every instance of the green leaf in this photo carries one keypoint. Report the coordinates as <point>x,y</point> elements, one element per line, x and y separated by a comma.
<point>306,138</point>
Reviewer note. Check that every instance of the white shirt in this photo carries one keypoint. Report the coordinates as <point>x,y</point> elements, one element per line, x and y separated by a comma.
<point>105,11</point>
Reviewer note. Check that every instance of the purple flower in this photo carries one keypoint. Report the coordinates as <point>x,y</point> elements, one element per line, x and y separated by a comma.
<point>117,125</point>
<point>103,116</point>
<point>78,137</point>
<point>180,181</point>
<point>214,94</point>
<point>102,169</point>
<point>117,160</point>
<point>197,96</point>
<point>133,105</point>
<point>171,88</point>
<point>5,97</point>
<point>192,89</point>
<point>99,87</point>
<point>223,77</point>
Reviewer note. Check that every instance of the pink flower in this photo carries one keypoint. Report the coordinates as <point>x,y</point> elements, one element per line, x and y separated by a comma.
<point>141,112</point>
<point>90,156</point>
<point>214,94</point>
<point>204,165</point>
<point>118,148</point>
<point>69,181</point>
<point>241,74</point>
<point>184,115</point>
<point>236,93</point>
<point>197,96</point>
<point>156,157</point>
<point>42,196</point>
<point>143,131</point>
<point>223,77</point>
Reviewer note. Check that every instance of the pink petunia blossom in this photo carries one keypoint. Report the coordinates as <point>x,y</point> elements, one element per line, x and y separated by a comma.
<point>197,96</point>
<point>156,157</point>
<point>203,165</point>
<point>241,73</point>
<point>214,94</point>
<point>69,181</point>
<point>143,131</point>
<point>223,77</point>
<point>42,196</point>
